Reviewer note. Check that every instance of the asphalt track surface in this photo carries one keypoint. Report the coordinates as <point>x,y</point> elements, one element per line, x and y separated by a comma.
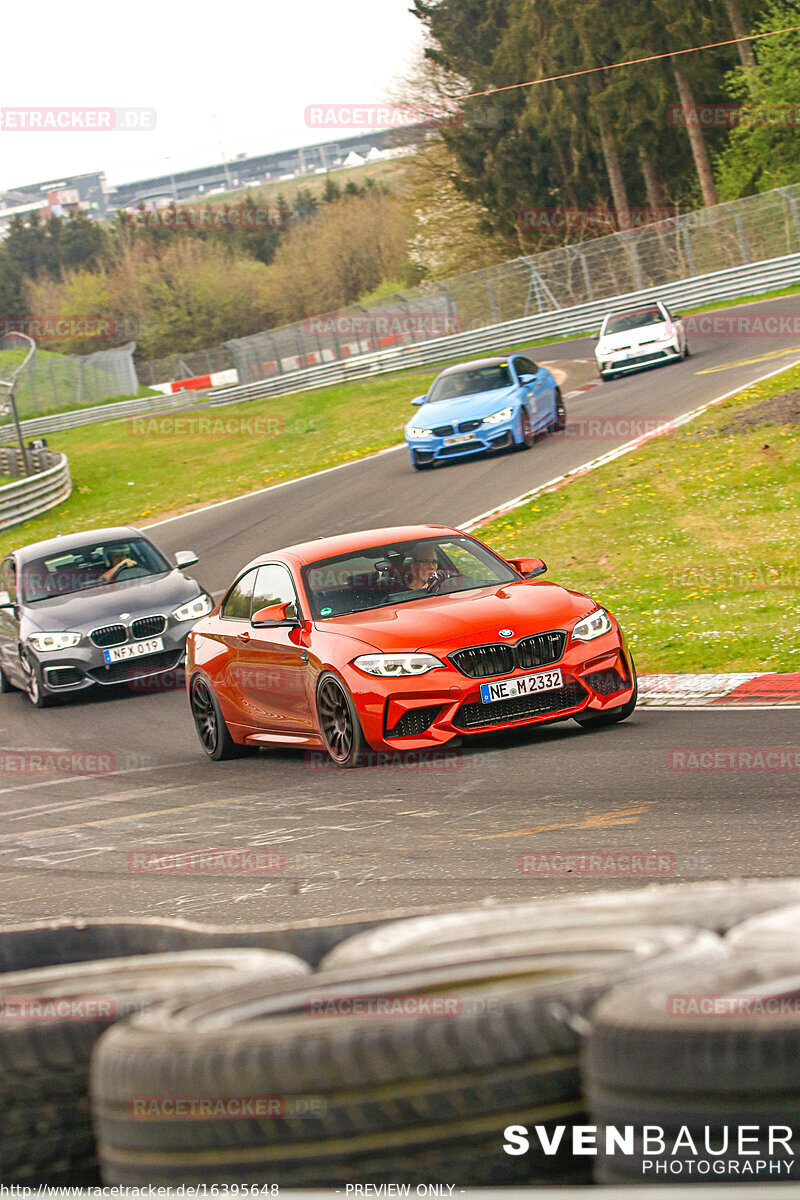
<point>387,838</point>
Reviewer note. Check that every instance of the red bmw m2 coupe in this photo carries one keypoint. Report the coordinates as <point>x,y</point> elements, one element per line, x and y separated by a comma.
<point>397,640</point>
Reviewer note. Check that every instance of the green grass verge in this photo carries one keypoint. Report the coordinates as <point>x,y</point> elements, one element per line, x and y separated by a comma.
<point>693,541</point>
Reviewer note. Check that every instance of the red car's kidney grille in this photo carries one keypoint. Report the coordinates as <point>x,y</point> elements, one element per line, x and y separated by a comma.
<point>539,650</point>
<point>520,708</point>
<point>415,721</point>
<point>479,662</point>
<point>606,682</point>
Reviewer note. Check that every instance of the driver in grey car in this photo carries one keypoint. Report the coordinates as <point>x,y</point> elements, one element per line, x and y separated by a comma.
<point>118,560</point>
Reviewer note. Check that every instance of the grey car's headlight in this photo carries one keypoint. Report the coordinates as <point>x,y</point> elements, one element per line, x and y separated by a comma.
<point>58,640</point>
<point>593,626</point>
<point>414,432</point>
<point>504,414</point>
<point>198,607</point>
<point>397,664</point>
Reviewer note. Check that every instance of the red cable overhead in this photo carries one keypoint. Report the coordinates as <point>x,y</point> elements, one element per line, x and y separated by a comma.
<point>630,62</point>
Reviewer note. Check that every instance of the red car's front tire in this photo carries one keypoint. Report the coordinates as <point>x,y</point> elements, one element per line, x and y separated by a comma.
<point>339,726</point>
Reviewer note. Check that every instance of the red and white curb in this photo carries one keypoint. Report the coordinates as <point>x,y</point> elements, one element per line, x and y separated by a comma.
<point>753,689</point>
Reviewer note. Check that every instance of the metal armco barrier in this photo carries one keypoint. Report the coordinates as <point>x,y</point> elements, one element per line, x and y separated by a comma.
<point>33,494</point>
<point>730,284</point>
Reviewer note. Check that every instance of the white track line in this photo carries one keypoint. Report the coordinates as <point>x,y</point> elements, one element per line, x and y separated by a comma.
<point>593,464</point>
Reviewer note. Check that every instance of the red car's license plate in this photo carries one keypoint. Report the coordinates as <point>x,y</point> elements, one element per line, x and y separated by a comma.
<point>523,685</point>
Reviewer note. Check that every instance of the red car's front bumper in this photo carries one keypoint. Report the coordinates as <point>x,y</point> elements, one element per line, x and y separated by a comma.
<point>416,712</point>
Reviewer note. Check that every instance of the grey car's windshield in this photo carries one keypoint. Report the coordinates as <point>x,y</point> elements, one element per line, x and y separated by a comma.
<point>635,320</point>
<point>400,573</point>
<point>97,564</point>
<point>469,381</point>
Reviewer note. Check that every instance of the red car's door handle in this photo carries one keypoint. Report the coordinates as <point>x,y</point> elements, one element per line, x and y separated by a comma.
<point>245,636</point>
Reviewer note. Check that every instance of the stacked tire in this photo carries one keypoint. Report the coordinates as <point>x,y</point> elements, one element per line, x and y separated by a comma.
<point>408,1070</point>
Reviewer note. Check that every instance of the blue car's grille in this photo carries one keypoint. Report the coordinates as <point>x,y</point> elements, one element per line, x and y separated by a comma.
<point>443,430</point>
<point>468,426</point>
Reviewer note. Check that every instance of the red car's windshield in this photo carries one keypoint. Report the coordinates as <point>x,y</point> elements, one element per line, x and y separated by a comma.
<point>401,572</point>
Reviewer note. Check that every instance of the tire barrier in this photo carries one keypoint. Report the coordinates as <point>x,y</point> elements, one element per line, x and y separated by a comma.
<point>50,1020</point>
<point>402,1069</point>
<point>219,1056</point>
<point>699,1052</point>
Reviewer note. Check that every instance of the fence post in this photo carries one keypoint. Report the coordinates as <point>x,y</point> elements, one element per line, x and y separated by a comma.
<point>793,209</point>
<point>739,231</point>
<point>484,275</point>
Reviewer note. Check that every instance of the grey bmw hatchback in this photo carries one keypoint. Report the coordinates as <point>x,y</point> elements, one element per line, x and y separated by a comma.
<point>97,608</point>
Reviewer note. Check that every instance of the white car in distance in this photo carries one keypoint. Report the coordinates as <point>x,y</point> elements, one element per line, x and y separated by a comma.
<point>639,337</point>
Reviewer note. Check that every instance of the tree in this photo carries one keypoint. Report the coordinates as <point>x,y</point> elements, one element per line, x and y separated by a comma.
<point>763,151</point>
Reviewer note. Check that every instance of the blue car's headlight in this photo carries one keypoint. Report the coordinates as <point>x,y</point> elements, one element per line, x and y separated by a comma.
<point>505,414</point>
<point>414,432</point>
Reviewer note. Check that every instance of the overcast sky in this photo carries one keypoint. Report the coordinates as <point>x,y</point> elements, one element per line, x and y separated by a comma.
<point>255,65</point>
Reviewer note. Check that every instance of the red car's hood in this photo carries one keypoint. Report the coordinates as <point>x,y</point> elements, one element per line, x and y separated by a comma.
<point>444,623</point>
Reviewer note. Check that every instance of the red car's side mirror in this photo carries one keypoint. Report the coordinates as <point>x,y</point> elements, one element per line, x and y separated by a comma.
<point>528,568</point>
<point>273,614</point>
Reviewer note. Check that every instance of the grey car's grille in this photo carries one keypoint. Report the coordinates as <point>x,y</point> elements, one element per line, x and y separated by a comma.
<point>109,635</point>
<point>146,627</point>
<point>137,668</point>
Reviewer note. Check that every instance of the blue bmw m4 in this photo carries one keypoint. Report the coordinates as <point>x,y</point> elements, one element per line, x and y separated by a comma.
<point>487,405</point>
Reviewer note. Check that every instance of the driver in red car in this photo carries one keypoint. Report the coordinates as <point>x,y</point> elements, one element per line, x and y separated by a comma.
<point>420,572</point>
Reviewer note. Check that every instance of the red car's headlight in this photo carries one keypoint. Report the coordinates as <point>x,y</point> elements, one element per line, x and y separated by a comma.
<point>595,625</point>
<point>397,664</point>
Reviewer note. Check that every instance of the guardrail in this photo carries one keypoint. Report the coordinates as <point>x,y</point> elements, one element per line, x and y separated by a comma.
<point>36,426</point>
<point>33,494</point>
<point>730,284</point>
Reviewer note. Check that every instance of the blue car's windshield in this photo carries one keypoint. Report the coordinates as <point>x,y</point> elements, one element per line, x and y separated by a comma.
<point>468,382</point>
